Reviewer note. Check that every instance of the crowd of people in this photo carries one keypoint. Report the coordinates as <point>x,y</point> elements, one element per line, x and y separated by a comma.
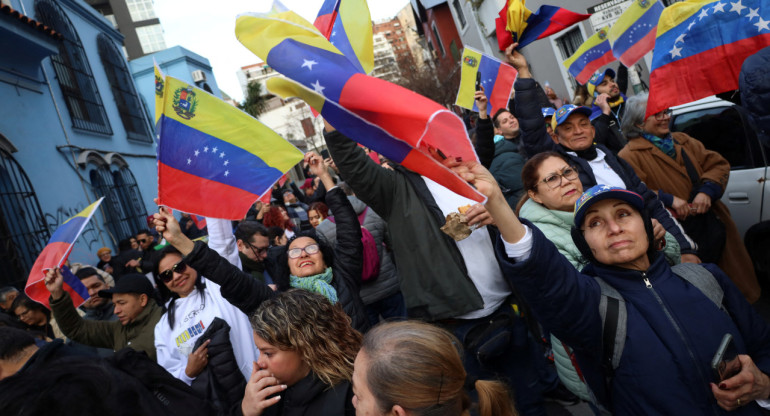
<point>586,277</point>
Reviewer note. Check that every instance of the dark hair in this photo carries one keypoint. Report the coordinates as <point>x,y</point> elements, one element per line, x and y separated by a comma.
<point>529,176</point>
<point>281,272</point>
<point>13,341</point>
<point>87,272</point>
<point>124,245</point>
<point>145,232</point>
<point>320,208</point>
<point>580,241</point>
<point>495,122</point>
<point>246,230</point>
<point>25,301</point>
<point>166,294</point>
<point>273,233</point>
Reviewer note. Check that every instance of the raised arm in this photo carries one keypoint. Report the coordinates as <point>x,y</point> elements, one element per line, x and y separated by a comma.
<point>485,132</point>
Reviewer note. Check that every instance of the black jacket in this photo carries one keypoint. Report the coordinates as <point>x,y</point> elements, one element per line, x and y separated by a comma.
<point>221,381</point>
<point>311,396</point>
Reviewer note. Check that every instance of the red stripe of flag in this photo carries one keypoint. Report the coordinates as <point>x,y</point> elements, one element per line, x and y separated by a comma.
<point>501,91</point>
<point>591,67</point>
<point>639,49</point>
<point>51,255</point>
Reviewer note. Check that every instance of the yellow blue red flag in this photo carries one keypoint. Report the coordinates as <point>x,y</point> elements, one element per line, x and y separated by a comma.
<point>348,26</point>
<point>700,47</point>
<point>494,75</point>
<point>516,23</point>
<point>159,84</point>
<point>633,34</point>
<point>215,160</point>
<point>54,255</point>
<point>393,121</point>
<point>593,54</point>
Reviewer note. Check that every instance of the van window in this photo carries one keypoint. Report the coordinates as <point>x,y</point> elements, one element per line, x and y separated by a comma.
<point>719,129</point>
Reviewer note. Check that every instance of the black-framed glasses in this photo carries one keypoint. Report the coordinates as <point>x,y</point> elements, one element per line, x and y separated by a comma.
<point>553,180</point>
<point>310,250</point>
<point>664,114</point>
<point>166,275</point>
<point>258,252</point>
<point>141,240</point>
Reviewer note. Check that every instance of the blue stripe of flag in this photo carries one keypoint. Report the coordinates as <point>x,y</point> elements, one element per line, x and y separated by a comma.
<point>329,7</point>
<point>639,29</point>
<point>231,165</point>
<point>339,38</point>
<point>488,68</point>
<point>68,232</point>
<point>74,283</point>
<point>590,55</point>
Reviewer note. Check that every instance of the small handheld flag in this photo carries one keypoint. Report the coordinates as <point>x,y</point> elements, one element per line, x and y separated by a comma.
<point>633,34</point>
<point>494,75</point>
<point>348,26</point>
<point>54,255</point>
<point>593,54</point>
<point>516,23</point>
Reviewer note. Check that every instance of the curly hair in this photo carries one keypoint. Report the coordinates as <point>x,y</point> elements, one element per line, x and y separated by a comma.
<point>319,207</point>
<point>306,322</point>
<point>274,218</point>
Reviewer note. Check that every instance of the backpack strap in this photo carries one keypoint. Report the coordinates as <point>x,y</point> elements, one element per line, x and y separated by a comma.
<point>701,278</point>
<point>612,309</point>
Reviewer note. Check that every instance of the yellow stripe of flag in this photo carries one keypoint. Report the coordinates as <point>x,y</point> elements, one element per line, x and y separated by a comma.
<point>594,40</point>
<point>679,12</point>
<point>465,96</point>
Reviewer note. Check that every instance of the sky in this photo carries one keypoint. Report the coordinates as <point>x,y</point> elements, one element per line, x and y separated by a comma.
<point>208,29</point>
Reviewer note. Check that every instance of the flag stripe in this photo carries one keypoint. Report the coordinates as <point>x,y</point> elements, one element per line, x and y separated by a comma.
<point>341,40</point>
<point>230,202</point>
<point>584,75</point>
<point>501,92</point>
<point>547,21</point>
<point>719,78</point>
<point>489,70</point>
<point>244,169</point>
<point>633,54</point>
<point>465,95</point>
<point>679,12</point>
<point>68,232</point>
<point>638,29</point>
<point>74,285</point>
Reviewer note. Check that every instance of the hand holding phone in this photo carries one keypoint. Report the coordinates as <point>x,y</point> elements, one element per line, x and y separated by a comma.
<point>478,81</point>
<point>725,363</point>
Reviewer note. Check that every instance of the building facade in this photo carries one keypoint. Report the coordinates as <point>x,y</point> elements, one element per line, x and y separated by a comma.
<point>137,22</point>
<point>443,39</point>
<point>395,34</point>
<point>385,61</point>
<point>73,129</point>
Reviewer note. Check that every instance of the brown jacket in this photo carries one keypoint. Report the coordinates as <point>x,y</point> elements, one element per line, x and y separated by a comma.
<point>659,171</point>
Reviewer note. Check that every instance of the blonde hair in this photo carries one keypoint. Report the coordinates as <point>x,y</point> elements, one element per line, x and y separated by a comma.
<point>306,322</point>
<point>419,367</point>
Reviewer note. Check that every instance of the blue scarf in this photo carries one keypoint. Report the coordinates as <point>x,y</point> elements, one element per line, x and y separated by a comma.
<point>320,283</point>
<point>665,144</point>
<point>498,138</point>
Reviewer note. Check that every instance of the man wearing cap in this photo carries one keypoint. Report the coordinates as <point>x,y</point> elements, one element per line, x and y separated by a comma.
<point>597,164</point>
<point>135,307</point>
<point>609,106</point>
<point>498,148</point>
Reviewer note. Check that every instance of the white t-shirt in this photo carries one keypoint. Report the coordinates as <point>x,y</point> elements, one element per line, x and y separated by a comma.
<point>192,316</point>
<point>603,172</point>
<point>478,253</point>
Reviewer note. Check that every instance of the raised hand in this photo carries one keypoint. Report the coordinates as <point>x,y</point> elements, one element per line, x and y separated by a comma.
<point>168,227</point>
<point>54,282</point>
<point>260,387</point>
<point>198,360</point>
<point>481,102</point>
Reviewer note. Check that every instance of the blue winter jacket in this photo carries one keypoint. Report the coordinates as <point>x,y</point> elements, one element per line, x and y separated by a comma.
<point>673,329</point>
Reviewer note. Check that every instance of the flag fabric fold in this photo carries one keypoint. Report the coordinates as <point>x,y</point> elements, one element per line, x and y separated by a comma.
<point>389,119</point>
<point>54,255</point>
<point>700,47</point>
<point>516,23</point>
<point>215,160</point>
<point>593,54</point>
<point>496,77</point>
<point>159,87</point>
<point>633,34</point>
<point>347,25</point>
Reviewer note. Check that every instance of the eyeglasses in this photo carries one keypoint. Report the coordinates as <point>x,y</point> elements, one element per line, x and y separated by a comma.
<point>257,251</point>
<point>663,114</point>
<point>142,240</point>
<point>554,180</point>
<point>167,275</point>
<point>310,250</point>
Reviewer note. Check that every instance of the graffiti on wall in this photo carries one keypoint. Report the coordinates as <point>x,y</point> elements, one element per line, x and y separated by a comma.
<point>89,239</point>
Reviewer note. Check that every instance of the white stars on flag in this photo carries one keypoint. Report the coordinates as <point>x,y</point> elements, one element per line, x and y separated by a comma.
<point>753,13</point>
<point>206,149</point>
<point>227,173</point>
<point>737,7</point>
<point>214,149</point>
<point>762,24</point>
<point>318,88</point>
<point>189,160</point>
<point>227,162</point>
<point>703,13</point>
<point>222,155</point>
<point>197,152</point>
<point>680,38</point>
<point>675,52</point>
<point>719,7</point>
<point>308,64</point>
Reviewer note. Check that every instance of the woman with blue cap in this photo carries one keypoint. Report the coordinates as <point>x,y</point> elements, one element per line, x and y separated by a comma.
<point>670,321</point>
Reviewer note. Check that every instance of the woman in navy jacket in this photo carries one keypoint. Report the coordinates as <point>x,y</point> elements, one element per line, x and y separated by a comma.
<point>672,328</point>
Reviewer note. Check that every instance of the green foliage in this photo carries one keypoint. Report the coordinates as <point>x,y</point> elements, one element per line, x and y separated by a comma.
<point>255,102</point>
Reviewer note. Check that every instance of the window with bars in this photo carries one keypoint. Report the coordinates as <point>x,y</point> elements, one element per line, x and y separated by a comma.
<point>123,205</point>
<point>23,229</point>
<point>437,39</point>
<point>459,10</point>
<point>569,43</point>
<point>129,106</point>
<point>141,10</point>
<point>74,72</point>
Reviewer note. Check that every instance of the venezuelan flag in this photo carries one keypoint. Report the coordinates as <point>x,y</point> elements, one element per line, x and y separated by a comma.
<point>593,54</point>
<point>54,255</point>
<point>215,160</point>
<point>700,47</point>
<point>516,23</point>
<point>391,120</point>
<point>633,34</point>
<point>348,26</point>
<point>495,76</point>
<point>159,84</point>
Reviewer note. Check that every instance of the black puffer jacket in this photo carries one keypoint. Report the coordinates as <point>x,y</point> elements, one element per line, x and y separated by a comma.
<point>221,381</point>
<point>311,396</point>
<point>247,293</point>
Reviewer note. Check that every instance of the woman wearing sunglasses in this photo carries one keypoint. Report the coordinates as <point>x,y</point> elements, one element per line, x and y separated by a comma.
<point>192,303</point>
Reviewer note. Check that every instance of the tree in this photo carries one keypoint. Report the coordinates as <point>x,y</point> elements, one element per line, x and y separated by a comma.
<point>427,82</point>
<point>255,102</point>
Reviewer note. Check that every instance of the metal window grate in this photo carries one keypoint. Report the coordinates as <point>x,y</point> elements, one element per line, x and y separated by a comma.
<point>23,229</point>
<point>124,209</point>
<point>128,191</point>
<point>74,72</point>
<point>122,84</point>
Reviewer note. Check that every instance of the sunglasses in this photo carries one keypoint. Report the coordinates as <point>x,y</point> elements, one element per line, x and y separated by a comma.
<point>167,275</point>
<point>310,250</point>
<point>142,240</point>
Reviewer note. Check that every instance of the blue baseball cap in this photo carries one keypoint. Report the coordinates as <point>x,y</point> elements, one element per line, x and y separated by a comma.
<point>598,193</point>
<point>561,115</point>
<point>597,79</point>
<point>548,111</point>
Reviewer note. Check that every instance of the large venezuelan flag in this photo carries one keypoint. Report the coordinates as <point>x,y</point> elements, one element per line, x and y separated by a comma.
<point>496,77</point>
<point>700,47</point>
<point>391,120</point>
<point>593,54</point>
<point>348,26</point>
<point>54,255</point>
<point>159,87</point>
<point>633,34</point>
<point>215,160</point>
<point>516,23</point>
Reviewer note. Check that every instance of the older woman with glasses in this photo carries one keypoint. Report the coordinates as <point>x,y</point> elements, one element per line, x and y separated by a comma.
<point>307,263</point>
<point>690,179</point>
